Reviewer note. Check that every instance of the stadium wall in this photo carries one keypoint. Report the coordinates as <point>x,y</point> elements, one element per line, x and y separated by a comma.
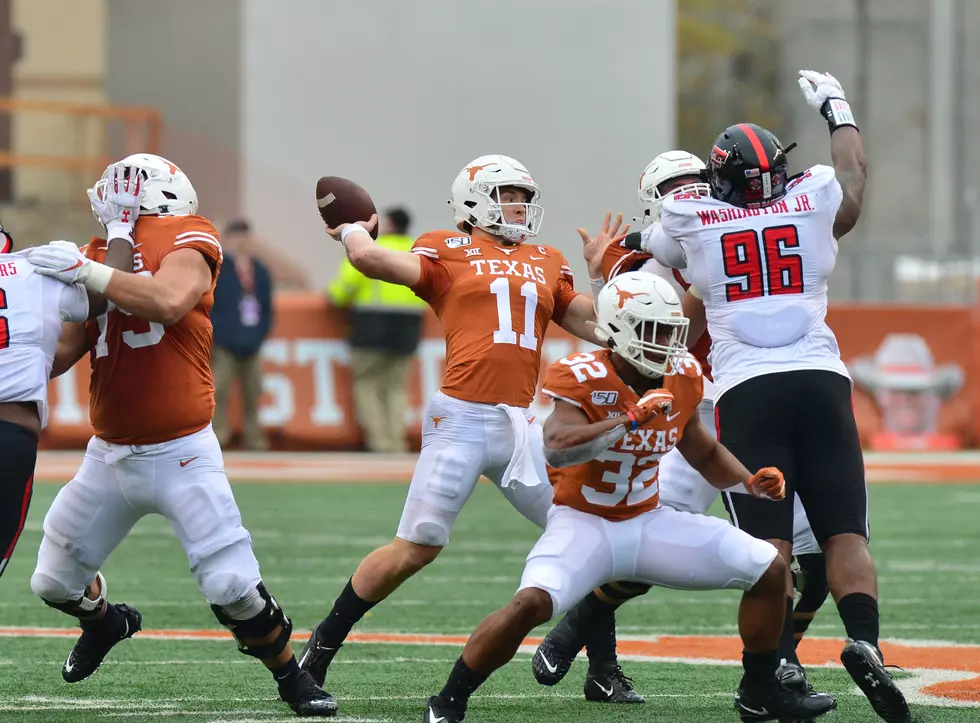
<point>917,371</point>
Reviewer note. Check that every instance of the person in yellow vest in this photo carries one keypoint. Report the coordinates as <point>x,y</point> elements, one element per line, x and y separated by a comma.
<point>385,327</point>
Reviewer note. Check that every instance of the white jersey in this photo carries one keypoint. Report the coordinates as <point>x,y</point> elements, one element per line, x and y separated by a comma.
<point>763,276</point>
<point>32,309</point>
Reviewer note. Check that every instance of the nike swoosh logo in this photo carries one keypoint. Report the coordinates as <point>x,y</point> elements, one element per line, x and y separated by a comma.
<point>538,258</point>
<point>672,417</point>
<point>744,707</point>
<point>69,666</point>
<point>433,719</point>
<point>185,462</point>
<point>72,268</point>
<point>547,663</point>
<point>607,692</point>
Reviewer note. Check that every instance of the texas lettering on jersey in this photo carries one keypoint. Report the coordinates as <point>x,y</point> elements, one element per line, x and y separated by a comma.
<point>494,303</point>
<point>152,383</point>
<point>623,481</point>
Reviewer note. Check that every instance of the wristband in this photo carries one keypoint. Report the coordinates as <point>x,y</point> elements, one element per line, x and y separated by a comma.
<point>837,113</point>
<point>352,228</point>
<point>634,241</point>
<point>97,277</point>
<point>633,425</point>
<point>120,230</point>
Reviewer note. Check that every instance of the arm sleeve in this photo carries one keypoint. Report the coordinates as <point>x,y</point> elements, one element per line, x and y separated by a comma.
<point>663,248</point>
<point>617,259</point>
<point>435,278</point>
<point>564,291</point>
<point>197,233</point>
<point>73,302</point>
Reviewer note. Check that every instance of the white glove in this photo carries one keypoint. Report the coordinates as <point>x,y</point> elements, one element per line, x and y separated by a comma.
<point>823,92</point>
<point>116,200</point>
<point>64,261</point>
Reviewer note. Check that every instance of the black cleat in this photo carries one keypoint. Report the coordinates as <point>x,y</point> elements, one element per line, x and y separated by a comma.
<point>793,678</point>
<point>316,657</point>
<point>610,685</point>
<point>863,663</point>
<point>97,639</point>
<point>306,698</point>
<point>440,710</point>
<point>779,703</point>
<point>556,654</point>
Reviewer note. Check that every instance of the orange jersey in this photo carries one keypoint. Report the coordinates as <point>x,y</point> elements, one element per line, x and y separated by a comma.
<point>622,482</point>
<point>617,259</point>
<point>152,383</point>
<point>494,303</point>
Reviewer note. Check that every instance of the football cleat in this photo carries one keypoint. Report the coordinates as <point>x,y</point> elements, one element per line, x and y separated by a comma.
<point>793,677</point>
<point>306,698</point>
<point>864,664</point>
<point>316,657</point>
<point>556,654</point>
<point>610,685</point>
<point>780,703</point>
<point>440,710</point>
<point>97,639</point>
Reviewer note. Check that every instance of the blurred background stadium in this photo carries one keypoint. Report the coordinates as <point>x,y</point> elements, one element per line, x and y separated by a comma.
<point>255,99</point>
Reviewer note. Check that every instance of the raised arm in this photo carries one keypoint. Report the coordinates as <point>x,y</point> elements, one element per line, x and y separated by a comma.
<point>824,93</point>
<point>374,261</point>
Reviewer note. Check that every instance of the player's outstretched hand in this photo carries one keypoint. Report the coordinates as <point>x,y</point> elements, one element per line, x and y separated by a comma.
<point>767,484</point>
<point>338,232</point>
<point>116,200</point>
<point>818,87</point>
<point>61,260</point>
<point>593,247</point>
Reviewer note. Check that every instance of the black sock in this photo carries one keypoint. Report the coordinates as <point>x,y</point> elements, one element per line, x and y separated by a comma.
<point>813,593</point>
<point>760,668</point>
<point>600,637</point>
<point>347,610</point>
<point>289,671</point>
<point>462,682</point>
<point>859,613</point>
<point>111,622</point>
<point>787,641</point>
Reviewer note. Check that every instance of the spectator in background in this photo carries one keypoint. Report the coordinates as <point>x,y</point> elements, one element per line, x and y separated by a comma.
<point>242,319</point>
<point>384,325</point>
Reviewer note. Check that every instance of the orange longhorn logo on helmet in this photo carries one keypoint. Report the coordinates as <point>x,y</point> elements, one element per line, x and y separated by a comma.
<point>476,169</point>
<point>173,168</point>
<point>625,296</point>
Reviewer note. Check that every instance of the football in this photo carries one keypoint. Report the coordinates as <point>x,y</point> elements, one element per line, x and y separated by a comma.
<point>342,201</point>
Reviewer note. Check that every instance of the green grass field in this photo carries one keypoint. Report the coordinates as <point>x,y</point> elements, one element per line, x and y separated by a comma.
<point>309,539</point>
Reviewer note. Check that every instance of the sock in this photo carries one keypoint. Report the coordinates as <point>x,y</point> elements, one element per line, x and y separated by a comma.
<point>859,613</point>
<point>289,671</point>
<point>347,610</point>
<point>598,625</point>
<point>813,593</point>
<point>461,683</point>
<point>111,622</point>
<point>787,640</point>
<point>760,668</point>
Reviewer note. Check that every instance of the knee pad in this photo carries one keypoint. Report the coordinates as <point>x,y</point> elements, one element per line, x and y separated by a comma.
<point>224,589</point>
<point>56,594</point>
<point>256,616</point>
<point>812,579</point>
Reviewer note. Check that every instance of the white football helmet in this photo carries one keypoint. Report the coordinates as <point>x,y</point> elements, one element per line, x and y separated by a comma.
<point>638,315</point>
<point>476,197</point>
<point>672,164</point>
<point>167,191</point>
